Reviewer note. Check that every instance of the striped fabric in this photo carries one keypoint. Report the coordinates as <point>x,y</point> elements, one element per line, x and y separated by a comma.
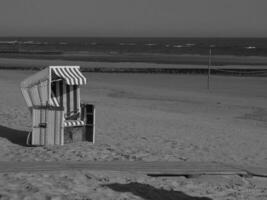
<point>54,101</point>
<point>69,123</point>
<point>66,96</point>
<point>72,75</point>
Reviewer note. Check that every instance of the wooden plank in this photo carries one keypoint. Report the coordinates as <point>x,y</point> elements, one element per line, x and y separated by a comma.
<point>47,127</point>
<point>57,128</point>
<point>50,125</point>
<point>33,127</point>
<point>35,95</point>
<point>257,171</point>
<point>150,168</point>
<point>43,130</point>
<point>36,129</point>
<point>62,128</point>
<point>254,170</point>
<point>42,90</point>
<point>27,97</point>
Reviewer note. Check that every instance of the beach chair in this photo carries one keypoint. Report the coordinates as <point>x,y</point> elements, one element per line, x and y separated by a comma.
<point>53,98</point>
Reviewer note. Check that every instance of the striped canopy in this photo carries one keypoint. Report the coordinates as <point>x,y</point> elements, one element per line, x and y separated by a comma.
<point>37,88</point>
<point>71,74</point>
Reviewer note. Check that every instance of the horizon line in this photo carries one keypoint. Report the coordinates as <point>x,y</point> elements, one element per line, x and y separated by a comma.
<point>30,36</point>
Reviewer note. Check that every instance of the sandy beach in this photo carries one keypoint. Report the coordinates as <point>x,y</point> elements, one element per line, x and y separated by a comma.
<point>145,117</point>
<point>133,100</point>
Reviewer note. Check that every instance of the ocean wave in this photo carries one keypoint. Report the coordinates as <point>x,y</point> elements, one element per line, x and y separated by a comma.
<point>31,42</point>
<point>185,45</point>
<point>178,46</point>
<point>250,47</point>
<point>9,42</point>
<point>127,44</point>
<point>151,44</point>
<point>190,44</point>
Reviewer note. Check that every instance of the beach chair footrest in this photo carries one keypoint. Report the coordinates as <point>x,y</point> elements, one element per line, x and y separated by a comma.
<point>70,123</point>
<point>74,134</point>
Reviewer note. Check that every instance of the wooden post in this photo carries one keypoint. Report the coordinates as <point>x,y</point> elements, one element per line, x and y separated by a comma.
<point>209,65</point>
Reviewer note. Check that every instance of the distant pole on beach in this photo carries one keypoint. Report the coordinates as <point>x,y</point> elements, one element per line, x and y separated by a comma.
<point>209,65</point>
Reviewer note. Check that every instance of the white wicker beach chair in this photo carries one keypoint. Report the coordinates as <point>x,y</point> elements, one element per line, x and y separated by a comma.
<point>53,97</point>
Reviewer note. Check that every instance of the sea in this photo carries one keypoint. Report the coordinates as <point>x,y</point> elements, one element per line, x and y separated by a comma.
<point>146,45</point>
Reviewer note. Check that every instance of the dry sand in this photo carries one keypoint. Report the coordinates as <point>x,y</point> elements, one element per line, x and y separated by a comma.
<point>145,117</point>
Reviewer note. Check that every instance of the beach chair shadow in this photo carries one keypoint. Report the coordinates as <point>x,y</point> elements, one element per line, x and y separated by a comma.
<point>148,192</point>
<point>15,136</point>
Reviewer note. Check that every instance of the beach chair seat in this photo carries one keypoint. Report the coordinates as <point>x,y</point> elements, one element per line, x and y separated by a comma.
<point>71,118</point>
<point>81,129</point>
<point>69,123</point>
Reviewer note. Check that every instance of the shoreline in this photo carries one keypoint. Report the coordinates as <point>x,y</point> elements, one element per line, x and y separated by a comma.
<point>134,67</point>
<point>153,58</point>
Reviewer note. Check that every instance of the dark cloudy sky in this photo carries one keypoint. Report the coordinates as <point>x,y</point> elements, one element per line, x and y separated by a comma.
<point>219,18</point>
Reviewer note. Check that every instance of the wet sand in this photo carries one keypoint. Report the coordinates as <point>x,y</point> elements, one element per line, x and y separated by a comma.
<point>145,117</point>
<point>152,58</point>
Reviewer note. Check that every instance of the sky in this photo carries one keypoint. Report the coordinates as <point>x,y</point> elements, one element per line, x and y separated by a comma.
<point>134,18</point>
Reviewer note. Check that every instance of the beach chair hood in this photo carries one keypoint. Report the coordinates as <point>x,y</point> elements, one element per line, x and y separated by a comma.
<point>70,74</point>
<point>36,89</point>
